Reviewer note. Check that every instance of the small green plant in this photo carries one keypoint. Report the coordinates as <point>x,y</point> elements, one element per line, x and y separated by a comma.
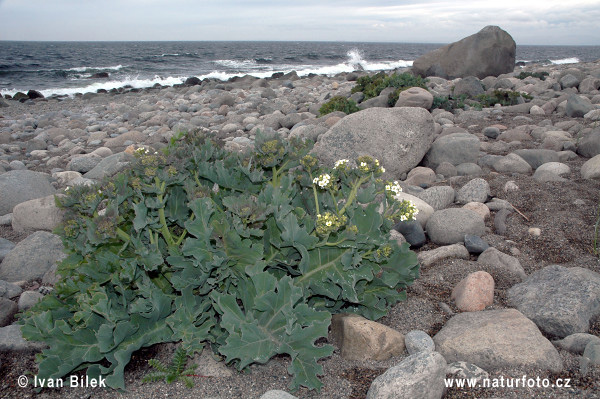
<point>449,103</point>
<point>372,86</point>
<point>339,103</point>
<point>502,97</point>
<point>246,254</point>
<point>540,75</point>
<point>175,371</point>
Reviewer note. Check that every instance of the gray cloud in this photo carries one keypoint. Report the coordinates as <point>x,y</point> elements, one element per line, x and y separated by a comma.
<point>531,22</point>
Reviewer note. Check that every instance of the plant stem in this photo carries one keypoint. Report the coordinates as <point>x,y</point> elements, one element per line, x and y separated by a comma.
<point>122,235</point>
<point>161,214</point>
<point>353,193</point>
<point>314,193</point>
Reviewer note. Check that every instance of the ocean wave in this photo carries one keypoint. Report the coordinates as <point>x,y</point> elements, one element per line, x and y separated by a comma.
<point>572,60</point>
<point>133,81</point>
<point>95,69</point>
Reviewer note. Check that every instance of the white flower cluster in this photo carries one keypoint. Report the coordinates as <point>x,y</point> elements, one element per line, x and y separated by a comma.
<point>142,150</point>
<point>322,181</point>
<point>411,212</point>
<point>341,163</point>
<point>394,188</point>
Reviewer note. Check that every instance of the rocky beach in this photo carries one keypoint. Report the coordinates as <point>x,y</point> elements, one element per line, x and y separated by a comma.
<point>506,234</point>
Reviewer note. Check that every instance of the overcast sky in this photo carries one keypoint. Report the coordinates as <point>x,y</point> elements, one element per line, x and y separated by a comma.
<point>528,21</point>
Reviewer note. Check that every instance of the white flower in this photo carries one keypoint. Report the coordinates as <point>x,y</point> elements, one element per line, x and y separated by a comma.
<point>322,181</point>
<point>341,163</point>
<point>395,188</point>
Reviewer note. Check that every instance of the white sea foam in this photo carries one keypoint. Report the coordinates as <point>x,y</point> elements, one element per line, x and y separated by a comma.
<point>132,81</point>
<point>108,68</point>
<point>573,60</point>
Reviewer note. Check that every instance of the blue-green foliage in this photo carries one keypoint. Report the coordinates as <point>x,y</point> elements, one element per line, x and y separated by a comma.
<point>211,248</point>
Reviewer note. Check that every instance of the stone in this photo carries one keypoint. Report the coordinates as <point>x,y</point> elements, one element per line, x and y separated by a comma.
<point>418,376</point>
<point>589,85</point>
<point>537,110</point>
<point>474,293</point>
<point>578,106</point>
<point>7,310</point>
<point>277,394</point>
<point>490,52</point>
<point>514,135</point>
<point>415,97</point>
<point>455,148</point>
<point>568,81</point>
<point>476,190</point>
<point>32,257</point>
<point>418,341</point>
<point>590,357</point>
<point>576,343</point>
<point>427,258</point>
<point>439,197</point>
<point>9,290</point>
<point>412,231</point>
<point>557,168</point>
<point>511,186</point>
<point>398,137</point>
<point>119,141</point>
<point>475,245</point>
<point>37,214</point>
<point>83,163</point>
<point>534,231</point>
<point>589,145</point>
<point>209,367</point>
<point>28,299</point>
<point>18,186</point>
<point>491,132</point>
<point>446,169</point>
<point>398,237</point>
<point>469,169</point>
<point>109,166</point>
<point>469,86</point>
<point>362,339</point>
<point>464,370</point>
<point>496,339</point>
<point>537,157</point>
<point>479,208</point>
<point>561,301</point>
<point>5,247</point>
<point>512,163</point>
<point>449,226</point>
<point>420,176</point>
<point>502,263</point>
<point>425,210</point>
<point>11,340</point>
<point>589,170</point>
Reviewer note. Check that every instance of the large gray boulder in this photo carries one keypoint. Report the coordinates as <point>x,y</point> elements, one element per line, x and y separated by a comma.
<point>496,339</point>
<point>455,148</point>
<point>397,137</point>
<point>19,186</point>
<point>560,300</point>
<point>418,376</point>
<point>31,258</point>
<point>489,52</point>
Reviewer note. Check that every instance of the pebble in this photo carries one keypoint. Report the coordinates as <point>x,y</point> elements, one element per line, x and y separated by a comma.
<point>418,341</point>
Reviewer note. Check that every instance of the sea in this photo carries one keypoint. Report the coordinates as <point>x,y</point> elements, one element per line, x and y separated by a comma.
<point>66,68</point>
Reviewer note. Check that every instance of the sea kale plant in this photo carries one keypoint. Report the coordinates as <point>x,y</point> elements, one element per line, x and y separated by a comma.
<point>246,254</point>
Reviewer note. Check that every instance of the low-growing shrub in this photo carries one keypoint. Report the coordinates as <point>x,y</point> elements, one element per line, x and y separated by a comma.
<point>339,103</point>
<point>540,75</point>
<point>449,103</point>
<point>372,86</point>
<point>502,97</point>
<point>249,255</point>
